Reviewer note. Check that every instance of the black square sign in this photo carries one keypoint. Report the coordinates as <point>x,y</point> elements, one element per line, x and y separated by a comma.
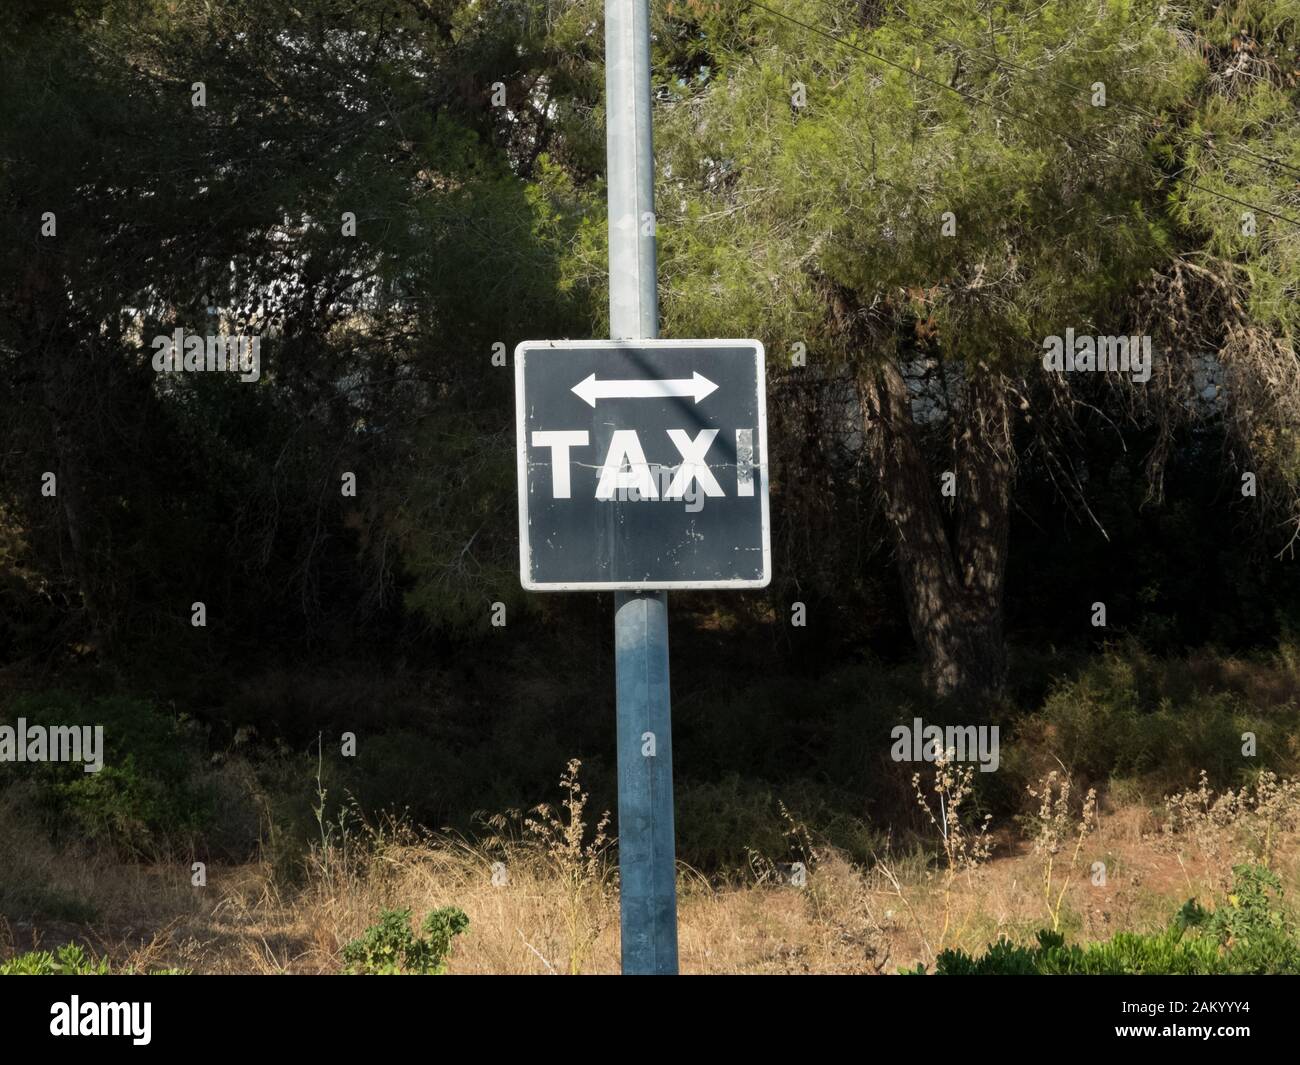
<point>642,464</point>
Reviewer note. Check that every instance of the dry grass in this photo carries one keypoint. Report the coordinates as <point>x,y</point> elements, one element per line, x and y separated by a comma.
<point>541,889</point>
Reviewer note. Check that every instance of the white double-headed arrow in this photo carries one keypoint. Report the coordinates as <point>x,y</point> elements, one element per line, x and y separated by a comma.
<point>589,389</point>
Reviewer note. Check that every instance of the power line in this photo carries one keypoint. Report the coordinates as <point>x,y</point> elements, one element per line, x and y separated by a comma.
<point>1009,111</point>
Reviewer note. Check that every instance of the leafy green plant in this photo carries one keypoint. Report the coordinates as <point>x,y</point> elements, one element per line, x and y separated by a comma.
<point>145,793</point>
<point>1251,924</point>
<point>70,959</point>
<point>390,948</point>
<point>1249,933</point>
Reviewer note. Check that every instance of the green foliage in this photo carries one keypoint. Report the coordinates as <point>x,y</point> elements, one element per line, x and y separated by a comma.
<point>1245,141</point>
<point>71,959</point>
<point>454,527</point>
<point>751,733</point>
<point>480,225</point>
<point>850,189</point>
<point>723,825</point>
<point>1127,714</point>
<point>368,340</point>
<point>1251,923</point>
<point>146,793</point>
<point>390,948</point>
<point>1249,933</point>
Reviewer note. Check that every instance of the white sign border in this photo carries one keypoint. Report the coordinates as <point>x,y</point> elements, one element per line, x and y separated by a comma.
<point>521,458</point>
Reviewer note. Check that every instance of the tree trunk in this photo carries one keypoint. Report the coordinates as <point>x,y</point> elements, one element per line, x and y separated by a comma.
<point>61,384</point>
<point>952,574</point>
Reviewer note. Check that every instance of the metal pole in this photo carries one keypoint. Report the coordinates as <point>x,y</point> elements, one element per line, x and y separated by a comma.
<point>647,857</point>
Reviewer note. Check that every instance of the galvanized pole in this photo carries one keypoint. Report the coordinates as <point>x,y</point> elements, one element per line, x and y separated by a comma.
<point>647,856</point>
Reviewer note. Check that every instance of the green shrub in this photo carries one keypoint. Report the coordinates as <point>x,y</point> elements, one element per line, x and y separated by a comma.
<point>1251,924</point>
<point>1129,715</point>
<point>720,822</point>
<point>143,795</point>
<point>390,948</point>
<point>1249,932</point>
<point>69,960</point>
